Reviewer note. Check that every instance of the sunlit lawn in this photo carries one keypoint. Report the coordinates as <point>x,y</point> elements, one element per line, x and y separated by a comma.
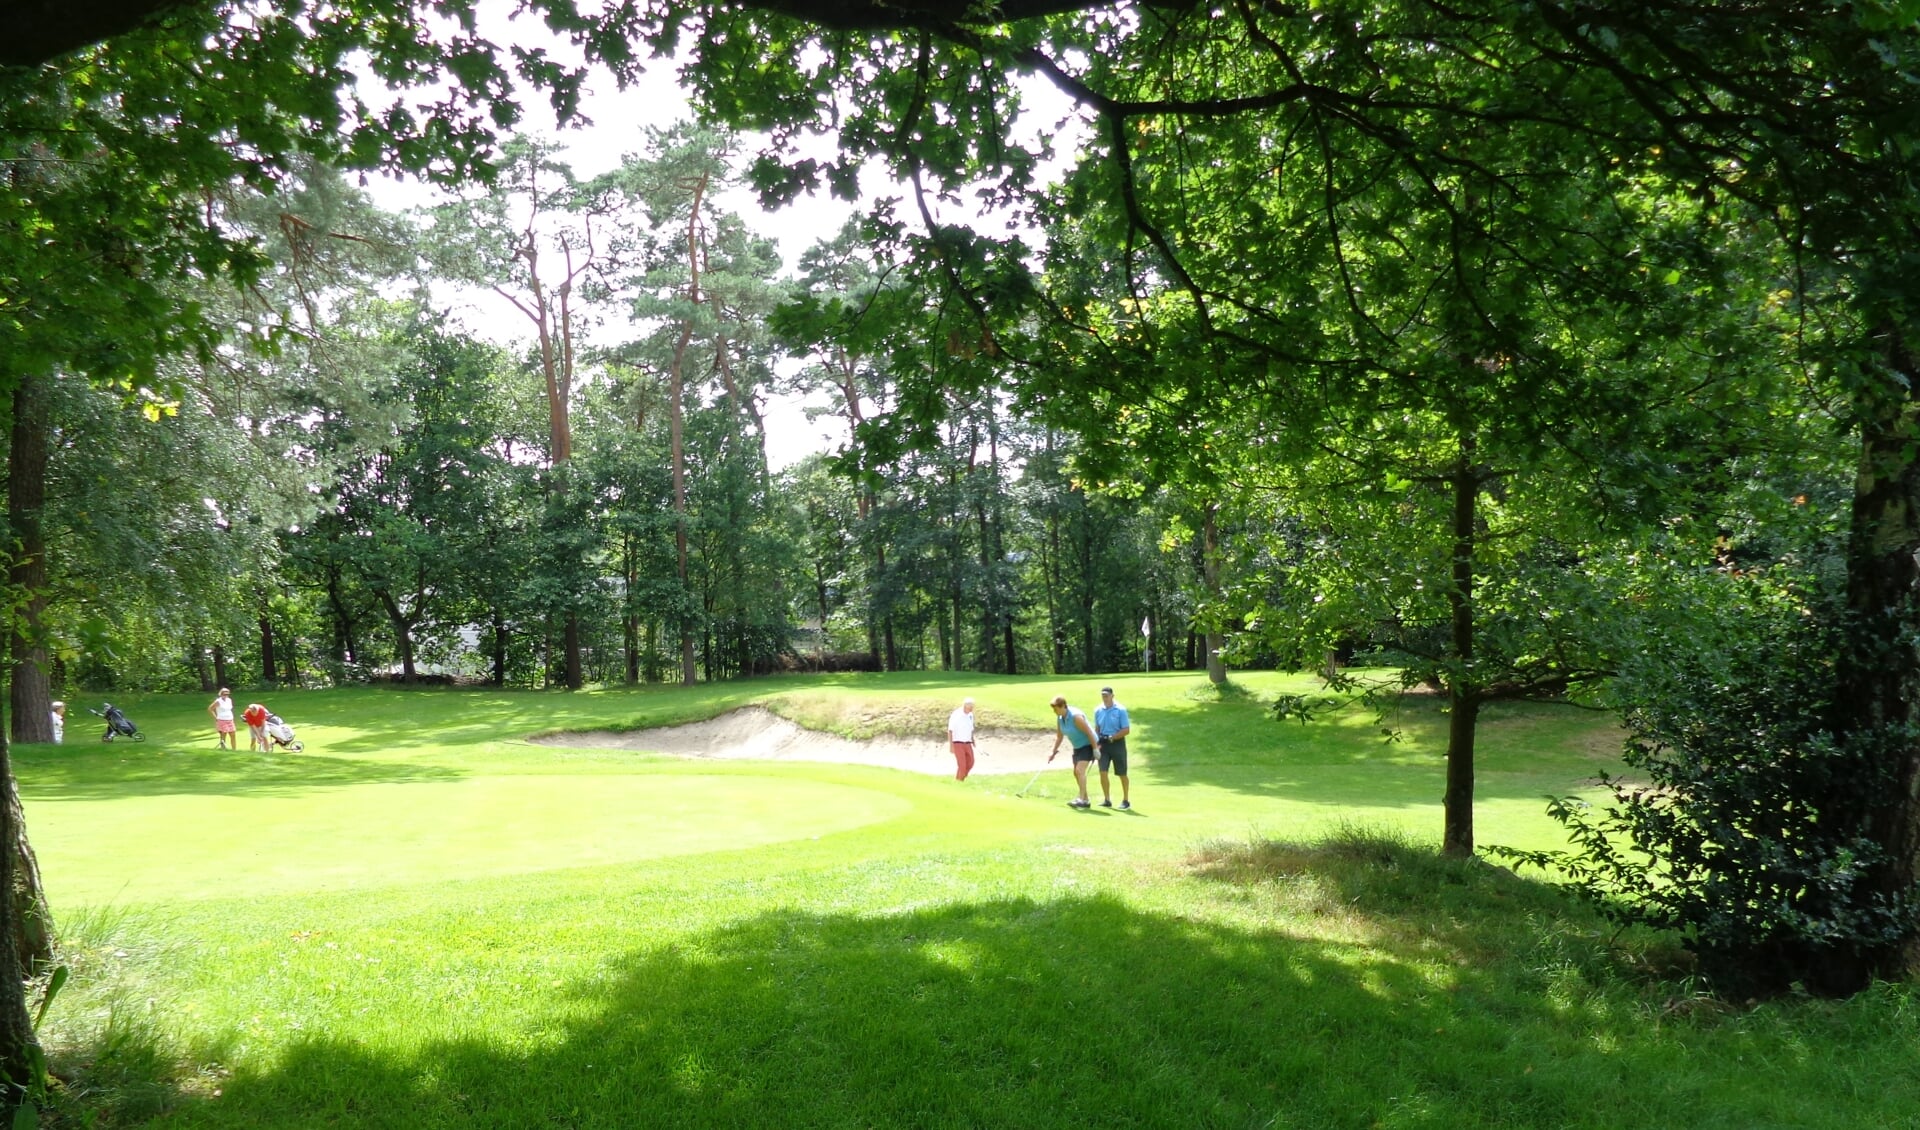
<point>426,921</point>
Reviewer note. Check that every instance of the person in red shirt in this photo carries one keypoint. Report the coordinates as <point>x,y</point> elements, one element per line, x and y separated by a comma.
<point>256,716</point>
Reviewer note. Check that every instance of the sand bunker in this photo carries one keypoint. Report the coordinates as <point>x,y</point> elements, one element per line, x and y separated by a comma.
<point>756,733</point>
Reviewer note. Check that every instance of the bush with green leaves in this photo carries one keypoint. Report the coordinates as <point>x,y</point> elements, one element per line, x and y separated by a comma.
<point>1741,824</point>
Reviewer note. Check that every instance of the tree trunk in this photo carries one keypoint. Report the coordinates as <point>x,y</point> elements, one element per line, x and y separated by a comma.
<point>630,621</point>
<point>1052,573</point>
<point>570,652</point>
<point>820,597</point>
<point>957,608</point>
<point>33,938</point>
<point>499,649</point>
<point>197,661</point>
<point>1463,694</point>
<point>1878,683</point>
<point>1462,723</point>
<point>1006,611</point>
<point>677,416</point>
<point>292,650</point>
<point>268,668</point>
<point>26,495</point>
<point>344,648</point>
<point>988,600</point>
<point>555,330</point>
<point>402,636</point>
<point>1210,576</point>
<point>876,644</point>
<point>220,666</point>
<point>19,1050</point>
<point>1087,598</point>
<point>677,432</point>
<point>943,636</point>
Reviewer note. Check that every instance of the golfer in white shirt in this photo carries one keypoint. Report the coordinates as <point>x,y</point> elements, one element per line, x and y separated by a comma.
<point>960,739</point>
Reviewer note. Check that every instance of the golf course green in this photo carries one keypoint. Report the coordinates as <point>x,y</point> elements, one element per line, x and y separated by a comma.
<point>426,919</point>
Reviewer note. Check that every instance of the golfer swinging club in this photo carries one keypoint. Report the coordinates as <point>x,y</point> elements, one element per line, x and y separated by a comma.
<point>1072,724</point>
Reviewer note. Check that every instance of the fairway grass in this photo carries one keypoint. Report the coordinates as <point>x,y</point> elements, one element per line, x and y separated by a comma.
<point>426,921</point>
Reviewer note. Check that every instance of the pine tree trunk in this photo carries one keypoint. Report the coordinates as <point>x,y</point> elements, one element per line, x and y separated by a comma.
<point>630,622</point>
<point>677,428</point>
<point>1052,573</point>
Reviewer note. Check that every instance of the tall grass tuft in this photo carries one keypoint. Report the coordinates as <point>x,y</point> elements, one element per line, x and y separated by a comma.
<point>109,1055</point>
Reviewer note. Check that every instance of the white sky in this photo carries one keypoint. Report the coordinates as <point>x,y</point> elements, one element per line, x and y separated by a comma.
<point>618,123</point>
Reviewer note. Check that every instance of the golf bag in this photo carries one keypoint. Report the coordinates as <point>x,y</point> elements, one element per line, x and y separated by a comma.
<point>282,734</point>
<point>118,724</point>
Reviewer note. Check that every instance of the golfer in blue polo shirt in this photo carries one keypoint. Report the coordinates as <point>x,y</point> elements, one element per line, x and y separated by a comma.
<point>1112,725</point>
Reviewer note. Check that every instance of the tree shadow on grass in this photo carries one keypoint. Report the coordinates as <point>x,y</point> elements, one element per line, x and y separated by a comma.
<point>1073,1012</point>
<point>1354,757</point>
<point>114,773</point>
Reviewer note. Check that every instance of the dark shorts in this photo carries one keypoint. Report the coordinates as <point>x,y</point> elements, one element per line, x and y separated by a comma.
<point>1082,753</point>
<point>1113,753</point>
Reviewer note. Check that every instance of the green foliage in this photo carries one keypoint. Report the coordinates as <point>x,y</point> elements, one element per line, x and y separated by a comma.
<point>1741,826</point>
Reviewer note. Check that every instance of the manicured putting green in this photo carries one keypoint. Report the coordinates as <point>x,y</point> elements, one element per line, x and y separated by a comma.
<point>184,846</point>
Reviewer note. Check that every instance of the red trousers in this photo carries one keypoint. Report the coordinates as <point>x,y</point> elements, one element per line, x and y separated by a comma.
<point>962,759</point>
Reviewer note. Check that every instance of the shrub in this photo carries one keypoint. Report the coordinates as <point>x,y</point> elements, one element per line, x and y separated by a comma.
<point>1744,828</point>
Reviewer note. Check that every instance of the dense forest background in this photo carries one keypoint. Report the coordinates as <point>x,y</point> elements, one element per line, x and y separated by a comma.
<point>351,485</point>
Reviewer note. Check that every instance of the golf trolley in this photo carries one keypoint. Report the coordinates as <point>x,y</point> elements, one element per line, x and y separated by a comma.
<point>282,735</point>
<point>118,724</point>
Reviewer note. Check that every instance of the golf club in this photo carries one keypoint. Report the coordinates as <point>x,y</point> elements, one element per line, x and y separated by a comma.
<point>1032,779</point>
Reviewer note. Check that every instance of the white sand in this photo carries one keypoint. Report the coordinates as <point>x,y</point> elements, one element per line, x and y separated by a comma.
<point>759,734</point>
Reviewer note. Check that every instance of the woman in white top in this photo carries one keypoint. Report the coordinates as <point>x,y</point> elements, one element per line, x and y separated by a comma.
<point>222,710</point>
